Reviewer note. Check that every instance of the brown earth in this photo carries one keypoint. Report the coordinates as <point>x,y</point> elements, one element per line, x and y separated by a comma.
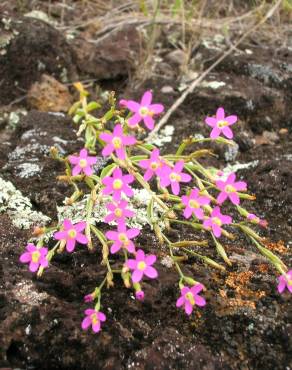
<point>246,323</point>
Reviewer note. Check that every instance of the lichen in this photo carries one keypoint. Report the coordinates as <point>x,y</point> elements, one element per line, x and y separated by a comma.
<point>138,203</point>
<point>18,207</point>
<point>28,169</point>
<point>214,85</point>
<point>164,136</point>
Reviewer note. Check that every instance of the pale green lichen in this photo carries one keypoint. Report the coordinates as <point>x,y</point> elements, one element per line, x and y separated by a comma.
<point>164,136</point>
<point>214,85</point>
<point>138,203</point>
<point>19,208</point>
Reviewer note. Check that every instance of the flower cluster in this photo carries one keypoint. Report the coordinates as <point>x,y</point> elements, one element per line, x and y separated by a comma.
<point>180,186</point>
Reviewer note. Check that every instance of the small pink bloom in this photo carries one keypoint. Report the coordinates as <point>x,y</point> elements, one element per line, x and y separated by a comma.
<point>117,142</point>
<point>216,221</point>
<point>285,281</point>
<point>35,257</point>
<point>193,204</point>
<point>71,234</point>
<point>118,184</point>
<point>142,265</point>
<point>118,212</point>
<point>152,165</point>
<point>190,297</point>
<point>221,124</point>
<point>173,176</point>
<point>93,318</point>
<point>229,189</point>
<point>89,298</point>
<point>140,295</point>
<point>144,111</point>
<point>122,238</point>
<point>256,220</point>
<point>123,103</point>
<point>82,163</point>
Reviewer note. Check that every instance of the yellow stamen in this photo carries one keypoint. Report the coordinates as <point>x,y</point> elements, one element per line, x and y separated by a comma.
<point>72,233</point>
<point>154,166</point>
<point>141,265</point>
<point>189,296</point>
<point>230,189</point>
<point>94,319</point>
<point>217,221</point>
<point>194,204</point>
<point>118,212</point>
<point>117,142</point>
<point>117,184</point>
<point>144,111</point>
<point>124,239</point>
<point>222,123</point>
<point>35,256</point>
<point>83,163</point>
<point>174,177</point>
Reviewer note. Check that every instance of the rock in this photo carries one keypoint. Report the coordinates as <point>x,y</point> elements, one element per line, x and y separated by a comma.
<point>49,95</point>
<point>167,90</point>
<point>177,57</point>
<point>32,48</point>
<point>115,54</point>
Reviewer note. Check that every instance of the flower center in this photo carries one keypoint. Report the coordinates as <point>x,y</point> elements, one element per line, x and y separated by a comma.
<point>117,184</point>
<point>154,166</point>
<point>83,163</point>
<point>189,296</point>
<point>72,233</point>
<point>141,265</point>
<point>222,123</point>
<point>175,177</point>
<point>123,238</point>
<point>230,189</point>
<point>117,142</point>
<point>217,221</point>
<point>94,318</point>
<point>194,204</point>
<point>118,212</point>
<point>289,282</point>
<point>144,111</point>
<point>35,256</point>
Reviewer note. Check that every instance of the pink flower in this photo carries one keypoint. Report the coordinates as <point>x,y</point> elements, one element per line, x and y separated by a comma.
<point>256,220</point>
<point>216,221</point>
<point>82,163</point>
<point>35,257</point>
<point>89,298</point>
<point>285,281</point>
<point>122,238</point>
<point>118,184</point>
<point>190,297</point>
<point>119,212</point>
<point>142,265</point>
<point>116,142</point>
<point>123,103</point>
<point>173,176</point>
<point>140,295</point>
<point>221,124</point>
<point>193,203</point>
<point>144,111</point>
<point>71,233</point>
<point>152,165</point>
<point>229,189</point>
<point>93,318</point>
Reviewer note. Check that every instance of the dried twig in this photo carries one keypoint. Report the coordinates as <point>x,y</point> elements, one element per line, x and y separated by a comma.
<point>196,82</point>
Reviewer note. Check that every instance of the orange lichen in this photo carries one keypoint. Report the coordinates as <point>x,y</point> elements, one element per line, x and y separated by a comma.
<point>236,279</point>
<point>277,247</point>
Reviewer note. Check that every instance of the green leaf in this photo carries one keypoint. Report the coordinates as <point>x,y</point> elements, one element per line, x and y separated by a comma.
<point>92,105</point>
<point>137,158</point>
<point>107,171</point>
<point>148,146</point>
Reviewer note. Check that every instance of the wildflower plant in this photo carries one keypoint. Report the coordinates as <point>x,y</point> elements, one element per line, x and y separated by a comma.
<point>181,188</point>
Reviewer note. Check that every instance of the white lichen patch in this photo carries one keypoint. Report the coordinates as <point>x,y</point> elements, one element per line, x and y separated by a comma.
<point>28,169</point>
<point>18,207</point>
<point>164,136</point>
<point>238,166</point>
<point>214,85</point>
<point>138,203</point>
<point>26,293</point>
<point>21,152</point>
<point>231,152</point>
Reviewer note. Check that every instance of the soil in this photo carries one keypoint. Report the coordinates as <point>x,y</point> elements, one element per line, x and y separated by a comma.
<point>246,323</point>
